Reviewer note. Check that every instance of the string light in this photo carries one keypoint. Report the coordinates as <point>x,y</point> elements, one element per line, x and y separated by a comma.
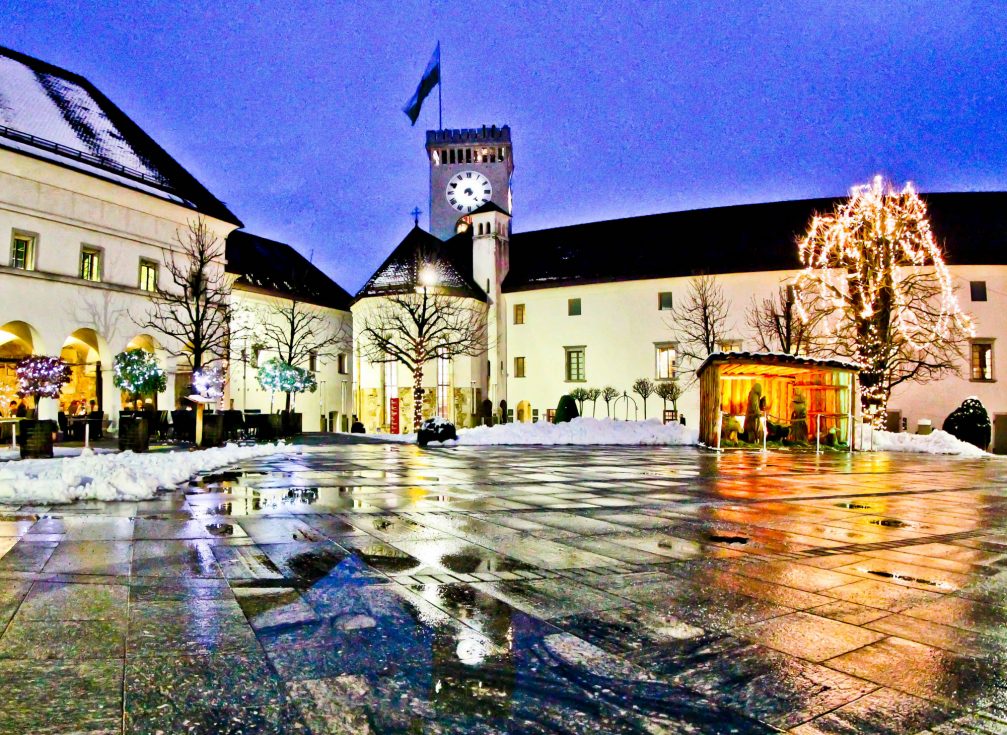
<point>41,377</point>
<point>209,382</point>
<point>876,271</point>
<point>136,371</point>
<point>278,376</point>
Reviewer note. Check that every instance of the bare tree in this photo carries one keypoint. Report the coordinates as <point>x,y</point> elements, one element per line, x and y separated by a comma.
<point>669,390</point>
<point>609,394</point>
<point>593,394</point>
<point>413,328</point>
<point>193,311</point>
<point>701,322</point>
<point>777,324</point>
<point>299,331</point>
<point>644,387</point>
<point>875,276</point>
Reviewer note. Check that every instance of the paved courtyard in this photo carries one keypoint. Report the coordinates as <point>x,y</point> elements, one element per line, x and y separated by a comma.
<point>382,589</point>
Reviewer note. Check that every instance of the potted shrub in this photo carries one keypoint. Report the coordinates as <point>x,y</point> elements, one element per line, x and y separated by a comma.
<point>971,423</point>
<point>40,377</point>
<point>137,373</point>
<point>436,429</point>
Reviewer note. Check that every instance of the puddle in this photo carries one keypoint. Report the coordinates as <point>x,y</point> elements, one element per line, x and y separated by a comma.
<point>889,523</point>
<point>853,506</point>
<point>905,578</point>
<point>220,529</point>
<point>727,539</point>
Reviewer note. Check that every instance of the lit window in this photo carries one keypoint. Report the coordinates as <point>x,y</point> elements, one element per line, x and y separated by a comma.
<point>519,313</point>
<point>22,253</point>
<point>664,301</point>
<point>518,367</point>
<point>575,371</point>
<point>573,307</point>
<point>90,264</point>
<point>313,361</point>
<point>730,345</point>
<point>443,385</point>
<point>982,359</point>
<point>148,275</point>
<point>665,354</point>
<point>978,290</point>
<point>341,363</point>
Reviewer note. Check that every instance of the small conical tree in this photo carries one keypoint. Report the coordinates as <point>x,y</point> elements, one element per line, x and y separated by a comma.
<point>566,410</point>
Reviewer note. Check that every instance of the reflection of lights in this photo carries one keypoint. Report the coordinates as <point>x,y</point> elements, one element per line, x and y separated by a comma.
<point>471,648</point>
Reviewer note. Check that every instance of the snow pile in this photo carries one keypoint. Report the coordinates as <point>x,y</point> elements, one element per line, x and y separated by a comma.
<point>937,442</point>
<point>121,476</point>
<point>581,430</point>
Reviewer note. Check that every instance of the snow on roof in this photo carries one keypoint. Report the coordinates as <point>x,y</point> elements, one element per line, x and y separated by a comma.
<point>50,113</point>
<point>779,358</point>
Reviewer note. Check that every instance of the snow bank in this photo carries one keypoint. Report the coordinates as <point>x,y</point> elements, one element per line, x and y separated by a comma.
<point>937,442</point>
<point>581,430</point>
<point>120,476</point>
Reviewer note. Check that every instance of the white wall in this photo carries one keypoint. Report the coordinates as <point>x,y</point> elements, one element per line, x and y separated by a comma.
<point>620,324</point>
<point>66,209</point>
<point>335,389</point>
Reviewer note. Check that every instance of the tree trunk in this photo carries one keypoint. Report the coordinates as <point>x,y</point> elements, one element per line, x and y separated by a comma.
<point>417,397</point>
<point>288,403</point>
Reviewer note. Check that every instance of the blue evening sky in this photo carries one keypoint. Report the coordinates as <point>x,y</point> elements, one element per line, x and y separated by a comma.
<point>291,111</point>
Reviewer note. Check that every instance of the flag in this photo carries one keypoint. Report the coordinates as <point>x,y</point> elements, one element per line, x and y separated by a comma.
<point>431,78</point>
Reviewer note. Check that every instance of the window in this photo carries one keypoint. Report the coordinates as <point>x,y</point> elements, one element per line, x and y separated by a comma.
<point>664,301</point>
<point>313,361</point>
<point>665,354</point>
<point>573,307</point>
<point>575,364</point>
<point>443,385</point>
<point>518,367</point>
<point>148,275</point>
<point>978,290</point>
<point>22,252</point>
<point>519,313</point>
<point>730,345</point>
<point>90,264</point>
<point>341,363</point>
<point>982,359</point>
<point>256,351</point>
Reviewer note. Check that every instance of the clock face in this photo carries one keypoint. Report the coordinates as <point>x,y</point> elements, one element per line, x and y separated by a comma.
<point>468,190</point>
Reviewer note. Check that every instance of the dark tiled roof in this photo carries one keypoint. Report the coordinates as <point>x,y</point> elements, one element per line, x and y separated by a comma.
<point>400,271</point>
<point>971,226</point>
<point>275,268</point>
<point>489,207</point>
<point>56,115</point>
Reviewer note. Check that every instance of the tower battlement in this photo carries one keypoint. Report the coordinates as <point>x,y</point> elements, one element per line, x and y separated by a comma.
<point>468,136</point>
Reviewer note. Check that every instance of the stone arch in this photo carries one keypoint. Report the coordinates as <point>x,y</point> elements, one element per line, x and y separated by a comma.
<point>143,342</point>
<point>89,357</point>
<point>17,340</point>
<point>523,412</point>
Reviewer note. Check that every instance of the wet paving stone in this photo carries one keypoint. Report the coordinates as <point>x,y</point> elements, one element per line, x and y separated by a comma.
<point>380,589</point>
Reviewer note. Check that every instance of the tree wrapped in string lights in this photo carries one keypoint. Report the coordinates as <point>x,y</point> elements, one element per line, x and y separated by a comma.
<point>278,376</point>
<point>137,372</point>
<point>875,282</point>
<point>41,377</point>
<point>208,382</point>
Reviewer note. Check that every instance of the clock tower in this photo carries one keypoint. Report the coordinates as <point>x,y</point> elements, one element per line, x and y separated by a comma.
<point>468,168</point>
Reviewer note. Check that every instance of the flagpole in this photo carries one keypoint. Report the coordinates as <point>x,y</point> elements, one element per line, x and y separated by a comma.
<point>440,83</point>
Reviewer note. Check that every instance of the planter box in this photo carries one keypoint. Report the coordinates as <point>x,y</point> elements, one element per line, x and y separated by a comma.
<point>291,422</point>
<point>134,433</point>
<point>35,438</point>
<point>213,430</point>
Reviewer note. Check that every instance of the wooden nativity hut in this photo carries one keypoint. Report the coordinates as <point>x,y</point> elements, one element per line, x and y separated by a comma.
<point>746,395</point>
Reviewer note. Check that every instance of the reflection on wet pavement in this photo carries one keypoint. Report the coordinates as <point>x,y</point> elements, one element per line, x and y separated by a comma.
<point>382,589</point>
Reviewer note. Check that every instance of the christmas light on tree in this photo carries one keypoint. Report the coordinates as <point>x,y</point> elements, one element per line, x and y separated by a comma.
<point>41,377</point>
<point>875,277</point>
<point>137,372</point>
<point>208,382</point>
<point>278,376</point>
